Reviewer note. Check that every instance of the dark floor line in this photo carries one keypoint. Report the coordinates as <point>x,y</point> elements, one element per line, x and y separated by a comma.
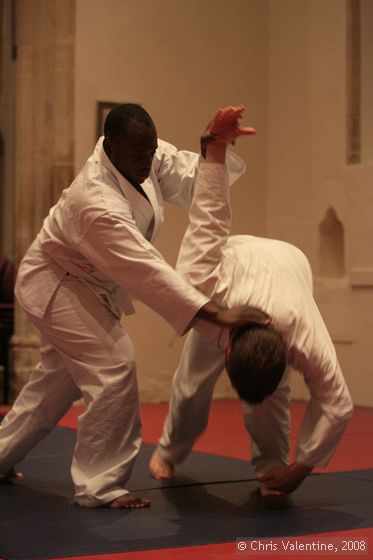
<point>199,483</point>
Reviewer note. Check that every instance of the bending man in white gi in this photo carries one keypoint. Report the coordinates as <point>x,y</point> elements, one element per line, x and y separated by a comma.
<point>93,250</point>
<point>274,277</point>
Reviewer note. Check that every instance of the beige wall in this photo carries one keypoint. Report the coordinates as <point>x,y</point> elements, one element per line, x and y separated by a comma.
<point>308,174</point>
<point>181,60</point>
<point>286,61</point>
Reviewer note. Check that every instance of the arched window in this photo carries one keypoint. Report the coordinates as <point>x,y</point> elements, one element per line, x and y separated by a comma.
<point>331,246</point>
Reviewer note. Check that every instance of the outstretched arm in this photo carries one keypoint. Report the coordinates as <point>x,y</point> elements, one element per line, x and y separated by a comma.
<point>210,214</point>
<point>325,420</point>
<point>326,416</point>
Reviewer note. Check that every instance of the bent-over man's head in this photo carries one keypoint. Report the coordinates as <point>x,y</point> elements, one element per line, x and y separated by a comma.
<point>255,361</point>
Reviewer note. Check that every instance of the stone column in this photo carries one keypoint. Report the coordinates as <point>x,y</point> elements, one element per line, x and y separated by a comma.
<point>44,138</point>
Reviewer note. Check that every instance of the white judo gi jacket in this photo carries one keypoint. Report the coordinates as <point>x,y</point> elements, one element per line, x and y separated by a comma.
<point>275,277</point>
<point>101,230</point>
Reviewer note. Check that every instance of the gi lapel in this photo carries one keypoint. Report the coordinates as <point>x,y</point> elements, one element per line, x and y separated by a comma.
<point>149,189</point>
<point>143,211</point>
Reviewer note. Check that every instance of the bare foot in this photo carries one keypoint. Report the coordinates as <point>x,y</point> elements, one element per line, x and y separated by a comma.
<point>159,468</point>
<point>10,475</point>
<point>129,501</point>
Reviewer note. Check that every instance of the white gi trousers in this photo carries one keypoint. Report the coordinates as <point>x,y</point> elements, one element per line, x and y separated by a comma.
<point>85,351</point>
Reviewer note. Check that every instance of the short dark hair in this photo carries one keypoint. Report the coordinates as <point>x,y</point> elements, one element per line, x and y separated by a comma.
<point>118,119</point>
<point>256,362</point>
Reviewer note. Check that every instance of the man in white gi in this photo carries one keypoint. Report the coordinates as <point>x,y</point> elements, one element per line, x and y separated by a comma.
<point>93,250</point>
<point>274,277</point>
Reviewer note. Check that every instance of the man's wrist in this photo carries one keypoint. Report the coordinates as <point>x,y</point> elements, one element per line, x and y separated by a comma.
<point>205,139</point>
<point>216,152</point>
<point>209,312</point>
<point>213,150</point>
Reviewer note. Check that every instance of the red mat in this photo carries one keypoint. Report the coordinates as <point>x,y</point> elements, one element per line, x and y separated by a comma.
<point>354,452</point>
<point>228,551</point>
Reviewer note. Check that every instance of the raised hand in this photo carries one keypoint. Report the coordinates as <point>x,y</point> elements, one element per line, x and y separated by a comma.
<point>225,127</point>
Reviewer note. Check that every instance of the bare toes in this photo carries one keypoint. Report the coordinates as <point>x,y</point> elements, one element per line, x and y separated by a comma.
<point>129,501</point>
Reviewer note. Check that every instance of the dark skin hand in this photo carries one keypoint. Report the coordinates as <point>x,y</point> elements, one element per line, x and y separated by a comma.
<point>234,317</point>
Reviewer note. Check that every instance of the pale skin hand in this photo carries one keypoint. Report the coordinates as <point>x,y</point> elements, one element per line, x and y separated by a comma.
<point>224,129</point>
<point>283,480</point>
<point>225,126</point>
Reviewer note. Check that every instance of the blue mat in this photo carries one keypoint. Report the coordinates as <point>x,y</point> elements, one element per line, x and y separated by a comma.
<point>213,499</point>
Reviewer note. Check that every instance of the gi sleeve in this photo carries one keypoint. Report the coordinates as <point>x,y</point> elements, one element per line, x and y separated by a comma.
<point>330,404</point>
<point>312,353</point>
<point>326,415</point>
<point>115,247</point>
<point>176,171</point>
<point>324,422</point>
<point>209,226</point>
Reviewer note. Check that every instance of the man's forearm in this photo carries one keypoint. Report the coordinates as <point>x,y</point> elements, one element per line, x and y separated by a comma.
<point>216,152</point>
